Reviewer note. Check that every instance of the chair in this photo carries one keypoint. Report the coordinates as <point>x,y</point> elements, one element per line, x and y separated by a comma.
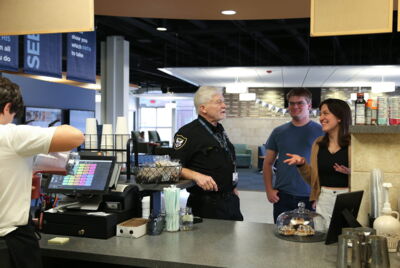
<point>155,137</point>
<point>243,155</point>
<point>137,135</point>
<point>142,147</point>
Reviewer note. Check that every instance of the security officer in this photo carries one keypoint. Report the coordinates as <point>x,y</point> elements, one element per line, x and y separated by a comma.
<point>208,158</point>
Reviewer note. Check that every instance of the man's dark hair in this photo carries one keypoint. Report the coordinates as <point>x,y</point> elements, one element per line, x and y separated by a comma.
<point>10,93</point>
<point>300,92</point>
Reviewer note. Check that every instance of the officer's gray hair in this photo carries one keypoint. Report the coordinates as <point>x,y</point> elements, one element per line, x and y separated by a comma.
<point>204,94</point>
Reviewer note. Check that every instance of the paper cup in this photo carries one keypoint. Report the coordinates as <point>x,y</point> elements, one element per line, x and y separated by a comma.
<point>107,140</point>
<point>121,157</point>
<point>107,137</point>
<point>120,144</point>
<point>91,141</point>
<point>91,126</point>
<point>120,141</point>
<point>121,126</point>
<point>107,129</point>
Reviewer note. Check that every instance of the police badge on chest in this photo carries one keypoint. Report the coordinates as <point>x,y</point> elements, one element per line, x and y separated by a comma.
<point>180,141</point>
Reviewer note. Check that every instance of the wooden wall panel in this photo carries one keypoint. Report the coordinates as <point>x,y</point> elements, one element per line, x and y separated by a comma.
<point>344,17</point>
<point>19,17</point>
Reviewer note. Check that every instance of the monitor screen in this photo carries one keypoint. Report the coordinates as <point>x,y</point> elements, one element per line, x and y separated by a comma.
<point>43,117</point>
<point>344,214</point>
<point>77,118</point>
<point>91,176</point>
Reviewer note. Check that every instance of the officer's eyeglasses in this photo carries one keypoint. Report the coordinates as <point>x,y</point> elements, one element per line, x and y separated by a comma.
<point>298,103</point>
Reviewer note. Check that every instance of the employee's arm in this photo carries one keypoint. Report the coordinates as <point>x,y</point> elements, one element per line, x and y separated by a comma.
<point>66,138</point>
<point>269,161</point>
<point>205,182</point>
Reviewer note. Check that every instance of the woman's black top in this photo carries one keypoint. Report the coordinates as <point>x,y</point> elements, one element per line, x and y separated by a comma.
<point>328,176</point>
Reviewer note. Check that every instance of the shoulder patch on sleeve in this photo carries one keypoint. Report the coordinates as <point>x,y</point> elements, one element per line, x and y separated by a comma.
<point>179,142</point>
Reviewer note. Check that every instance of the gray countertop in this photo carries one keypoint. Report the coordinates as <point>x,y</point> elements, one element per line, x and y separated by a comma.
<point>213,243</point>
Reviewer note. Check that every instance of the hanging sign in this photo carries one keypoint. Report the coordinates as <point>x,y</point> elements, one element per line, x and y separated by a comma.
<point>81,57</point>
<point>9,52</point>
<point>43,54</point>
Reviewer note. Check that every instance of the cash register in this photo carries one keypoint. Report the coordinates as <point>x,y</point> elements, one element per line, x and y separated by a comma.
<point>92,203</point>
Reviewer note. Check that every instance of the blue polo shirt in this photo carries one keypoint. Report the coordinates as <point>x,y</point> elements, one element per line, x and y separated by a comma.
<point>288,138</point>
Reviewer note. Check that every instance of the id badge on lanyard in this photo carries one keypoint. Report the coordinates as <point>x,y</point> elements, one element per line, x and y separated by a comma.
<point>235,178</point>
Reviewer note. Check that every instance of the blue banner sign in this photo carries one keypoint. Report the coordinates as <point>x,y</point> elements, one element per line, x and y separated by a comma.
<point>81,57</point>
<point>43,54</point>
<point>9,52</point>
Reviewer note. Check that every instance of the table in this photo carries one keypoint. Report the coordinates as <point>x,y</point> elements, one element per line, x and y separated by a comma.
<point>213,243</point>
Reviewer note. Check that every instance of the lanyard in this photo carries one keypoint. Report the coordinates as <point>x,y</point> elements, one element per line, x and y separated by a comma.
<point>222,141</point>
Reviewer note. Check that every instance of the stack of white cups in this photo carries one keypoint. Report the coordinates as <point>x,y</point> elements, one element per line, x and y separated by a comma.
<point>107,139</point>
<point>146,207</point>
<point>91,134</point>
<point>121,137</point>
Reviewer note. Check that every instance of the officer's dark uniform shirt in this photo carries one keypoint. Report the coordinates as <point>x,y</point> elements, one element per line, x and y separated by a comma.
<point>199,151</point>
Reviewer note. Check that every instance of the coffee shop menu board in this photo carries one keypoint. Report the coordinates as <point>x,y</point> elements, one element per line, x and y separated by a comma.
<point>9,52</point>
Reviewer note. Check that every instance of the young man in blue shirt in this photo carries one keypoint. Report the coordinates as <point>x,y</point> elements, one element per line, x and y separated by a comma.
<point>296,136</point>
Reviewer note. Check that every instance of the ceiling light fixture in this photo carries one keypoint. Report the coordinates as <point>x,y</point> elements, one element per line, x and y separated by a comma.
<point>247,96</point>
<point>383,87</point>
<point>161,29</point>
<point>170,105</point>
<point>228,12</point>
<point>236,88</point>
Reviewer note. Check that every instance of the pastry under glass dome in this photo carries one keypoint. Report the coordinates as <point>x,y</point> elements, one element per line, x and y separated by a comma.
<point>301,225</point>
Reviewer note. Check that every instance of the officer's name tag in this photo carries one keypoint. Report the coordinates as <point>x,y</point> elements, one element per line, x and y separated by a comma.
<point>235,178</point>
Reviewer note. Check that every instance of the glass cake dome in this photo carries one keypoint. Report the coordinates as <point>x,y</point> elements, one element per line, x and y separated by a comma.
<point>301,225</point>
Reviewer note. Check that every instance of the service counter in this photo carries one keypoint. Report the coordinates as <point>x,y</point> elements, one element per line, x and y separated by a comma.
<point>213,243</point>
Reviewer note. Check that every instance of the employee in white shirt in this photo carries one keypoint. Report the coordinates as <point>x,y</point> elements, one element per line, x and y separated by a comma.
<point>18,145</point>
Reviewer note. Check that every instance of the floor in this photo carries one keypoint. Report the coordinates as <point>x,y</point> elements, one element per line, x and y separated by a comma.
<point>250,179</point>
<point>255,207</point>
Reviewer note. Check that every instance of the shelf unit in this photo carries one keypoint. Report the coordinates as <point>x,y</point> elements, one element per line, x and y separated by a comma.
<point>375,129</point>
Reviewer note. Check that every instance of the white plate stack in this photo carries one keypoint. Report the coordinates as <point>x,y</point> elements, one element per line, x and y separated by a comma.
<point>121,137</point>
<point>91,134</point>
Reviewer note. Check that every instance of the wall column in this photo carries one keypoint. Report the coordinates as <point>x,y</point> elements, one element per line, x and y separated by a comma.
<point>114,79</point>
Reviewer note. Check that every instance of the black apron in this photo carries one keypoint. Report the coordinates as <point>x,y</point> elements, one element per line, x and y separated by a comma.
<point>23,247</point>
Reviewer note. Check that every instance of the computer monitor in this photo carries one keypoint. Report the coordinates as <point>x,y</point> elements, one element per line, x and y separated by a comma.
<point>344,214</point>
<point>91,176</point>
<point>77,118</point>
<point>43,117</point>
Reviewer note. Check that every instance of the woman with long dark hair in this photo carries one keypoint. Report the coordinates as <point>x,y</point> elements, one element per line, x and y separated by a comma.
<point>328,172</point>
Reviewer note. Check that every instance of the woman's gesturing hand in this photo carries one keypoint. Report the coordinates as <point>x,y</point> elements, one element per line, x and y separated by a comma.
<point>294,160</point>
<point>342,169</point>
